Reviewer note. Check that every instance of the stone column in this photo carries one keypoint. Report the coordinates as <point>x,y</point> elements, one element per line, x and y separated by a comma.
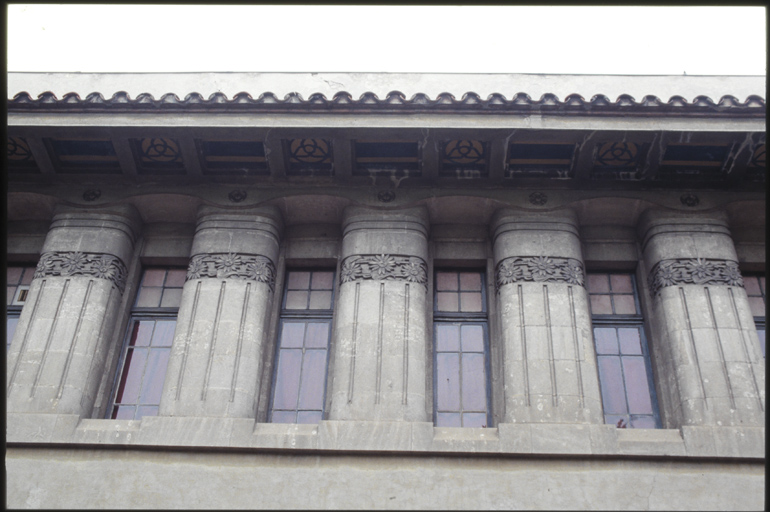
<point>380,328</point>
<point>710,369</point>
<point>58,355</point>
<point>217,353</point>
<point>549,362</point>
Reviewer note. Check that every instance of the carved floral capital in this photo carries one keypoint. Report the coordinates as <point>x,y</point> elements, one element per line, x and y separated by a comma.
<point>232,266</point>
<point>83,264</point>
<point>703,271</point>
<point>541,269</point>
<point>384,267</point>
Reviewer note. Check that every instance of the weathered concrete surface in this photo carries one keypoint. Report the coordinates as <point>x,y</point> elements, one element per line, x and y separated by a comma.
<point>75,478</point>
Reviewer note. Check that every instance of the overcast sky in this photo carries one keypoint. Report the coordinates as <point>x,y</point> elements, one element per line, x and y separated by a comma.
<point>427,39</point>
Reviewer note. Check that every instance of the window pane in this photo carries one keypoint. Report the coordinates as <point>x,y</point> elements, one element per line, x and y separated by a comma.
<point>123,412</point>
<point>446,301</point>
<point>448,382</point>
<point>292,334</point>
<point>311,395</point>
<point>474,419</point>
<point>131,381</point>
<point>317,335</point>
<point>299,280</point>
<point>618,421</point>
<point>142,333</point>
<point>472,338</point>
<point>154,375</point>
<point>323,280</point>
<point>474,383</point>
<point>283,417</point>
<point>29,273</point>
<point>624,304</point>
<point>444,419</point>
<point>308,417</point>
<point>621,283</point>
<point>320,300</point>
<point>630,342</point>
<point>164,333</point>
<point>175,278</point>
<point>600,305</point>
<point>597,283</point>
<point>446,281</point>
<point>148,297</point>
<point>10,292</point>
<point>147,410</point>
<point>296,300</point>
<point>10,329</point>
<point>611,380</point>
<point>637,388</point>
<point>13,275</point>
<point>153,277</point>
<point>470,281</point>
<point>751,284</point>
<point>447,338</point>
<point>172,297</point>
<point>643,422</point>
<point>470,302</point>
<point>761,336</point>
<point>287,379</point>
<point>606,340</point>
<point>757,306</point>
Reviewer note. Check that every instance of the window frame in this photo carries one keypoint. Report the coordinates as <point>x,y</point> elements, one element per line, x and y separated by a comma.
<point>760,322</point>
<point>14,309</point>
<point>460,319</point>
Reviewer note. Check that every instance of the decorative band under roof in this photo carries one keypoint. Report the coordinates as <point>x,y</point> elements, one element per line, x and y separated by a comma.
<point>395,100</point>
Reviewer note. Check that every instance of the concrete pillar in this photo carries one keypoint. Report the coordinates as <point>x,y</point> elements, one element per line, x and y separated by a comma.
<point>380,337</point>
<point>217,354</point>
<point>58,355</point>
<point>549,362</point>
<point>710,368</point>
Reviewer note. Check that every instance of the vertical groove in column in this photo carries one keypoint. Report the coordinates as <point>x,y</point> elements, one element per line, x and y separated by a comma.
<point>354,341</point>
<point>576,345</point>
<point>99,348</point>
<point>406,344</point>
<point>745,348</point>
<point>692,344</point>
<point>75,337</point>
<point>380,322</point>
<point>523,344</point>
<point>239,343</point>
<point>719,346</point>
<point>550,345</point>
<point>50,337</point>
<point>213,341</point>
<point>187,340</point>
<point>23,347</point>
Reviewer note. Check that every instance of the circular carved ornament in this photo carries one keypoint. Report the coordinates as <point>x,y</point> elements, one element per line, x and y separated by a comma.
<point>237,195</point>
<point>538,198</point>
<point>92,194</point>
<point>386,196</point>
<point>689,200</point>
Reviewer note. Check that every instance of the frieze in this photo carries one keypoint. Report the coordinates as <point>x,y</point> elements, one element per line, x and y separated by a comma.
<point>540,269</point>
<point>85,264</point>
<point>232,266</point>
<point>384,267</point>
<point>700,271</point>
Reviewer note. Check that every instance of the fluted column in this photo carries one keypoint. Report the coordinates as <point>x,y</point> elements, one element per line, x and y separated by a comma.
<point>58,354</point>
<point>704,336</point>
<point>217,353</point>
<point>380,329</point>
<point>549,362</point>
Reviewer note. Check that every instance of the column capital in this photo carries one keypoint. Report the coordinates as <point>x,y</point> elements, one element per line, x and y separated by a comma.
<point>406,219</point>
<point>508,219</point>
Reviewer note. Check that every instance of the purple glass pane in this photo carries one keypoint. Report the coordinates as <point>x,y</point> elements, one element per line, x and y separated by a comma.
<point>444,419</point>
<point>153,277</point>
<point>142,333</point>
<point>630,342</point>
<point>123,412</point>
<point>164,333</point>
<point>299,280</point>
<point>751,284</point>
<point>637,388</point>
<point>642,422</point>
<point>131,382</point>
<point>175,278</point>
<point>762,284</point>
<point>317,335</point>
<point>470,302</point>
<point>296,300</point>
<point>148,297</point>
<point>12,321</point>
<point>171,298</point>
<point>600,305</point>
<point>611,380</point>
<point>292,334</point>
<point>311,393</point>
<point>472,338</point>
<point>287,379</point>
<point>761,336</point>
<point>597,283</point>
<point>320,300</point>
<point>757,306</point>
<point>11,291</point>
<point>446,301</point>
<point>447,338</point>
<point>470,281</point>
<point>474,383</point>
<point>147,410</point>
<point>154,375</point>
<point>448,382</point>
<point>309,417</point>
<point>284,417</point>
<point>29,273</point>
<point>13,275</point>
<point>446,281</point>
<point>618,421</point>
<point>474,419</point>
<point>624,304</point>
<point>621,283</point>
<point>606,340</point>
<point>323,281</point>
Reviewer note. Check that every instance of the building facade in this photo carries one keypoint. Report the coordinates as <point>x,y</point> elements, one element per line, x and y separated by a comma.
<point>385,291</point>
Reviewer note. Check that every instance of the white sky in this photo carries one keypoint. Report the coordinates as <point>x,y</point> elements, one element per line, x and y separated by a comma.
<point>419,39</point>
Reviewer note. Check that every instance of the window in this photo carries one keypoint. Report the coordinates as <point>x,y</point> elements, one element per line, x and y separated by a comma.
<point>755,288</point>
<point>18,280</point>
<point>461,355</point>
<point>148,344</point>
<point>299,384</point>
<point>625,374</point>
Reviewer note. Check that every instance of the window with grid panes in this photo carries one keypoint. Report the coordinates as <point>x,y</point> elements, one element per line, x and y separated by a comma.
<point>299,383</point>
<point>755,289</point>
<point>18,279</point>
<point>623,359</point>
<point>461,350</point>
<point>148,344</point>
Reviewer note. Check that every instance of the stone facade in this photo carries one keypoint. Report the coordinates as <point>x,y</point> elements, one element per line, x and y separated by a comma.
<point>536,223</point>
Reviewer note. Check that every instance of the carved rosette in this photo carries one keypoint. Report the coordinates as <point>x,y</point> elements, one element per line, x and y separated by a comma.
<point>700,271</point>
<point>232,266</point>
<point>384,267</point>
<point>540,269</point>
<point>83,264</point>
